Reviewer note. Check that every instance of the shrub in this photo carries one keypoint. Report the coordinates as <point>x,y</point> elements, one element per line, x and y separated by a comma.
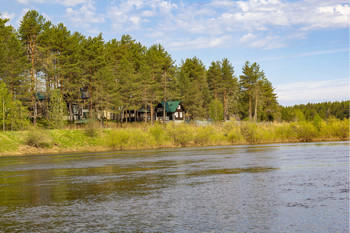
<point>202,135</point>
<point>338,128</point>
<point>91,129</point>
<point>233,133</point>
<point>181,134</point>
<point>39,139</point>
<point>157,133</point>
<point>118,139</point>
<point>306,131</point>
<point>286,132</point>
<point>251,132</point>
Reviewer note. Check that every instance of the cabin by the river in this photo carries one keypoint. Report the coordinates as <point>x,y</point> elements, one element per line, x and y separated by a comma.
<point>173,109</point>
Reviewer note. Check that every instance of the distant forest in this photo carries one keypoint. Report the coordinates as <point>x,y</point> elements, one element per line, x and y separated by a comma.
<point>324,110</point>
<point>45,69</point>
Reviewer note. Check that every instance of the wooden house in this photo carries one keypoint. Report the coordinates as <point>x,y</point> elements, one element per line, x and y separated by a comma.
<point>173,109</point>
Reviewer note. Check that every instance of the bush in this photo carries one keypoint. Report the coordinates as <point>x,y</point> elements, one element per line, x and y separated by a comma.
<point>91,128</point>
<point>306,131</point>
<point>286,132</point>
<point>338,128</point>
<point>202,135</point>
<point>251,132</point>
<point>118,139</point>
<point>181,134</point>
<point>232,133</point>
<point>39,139</point>
<point>157,133</point>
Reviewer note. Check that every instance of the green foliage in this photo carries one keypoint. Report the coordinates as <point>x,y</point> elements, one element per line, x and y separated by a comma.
<point>232,132</point>
<point>13,115</point>
<point>203,135</point>
<point>317,122</point>
<point>305,131</point>
<point>181,134</point>
<point>9,141</point>
<point>56,110</point>
<point>299,116</point>
<point>193,87</point>
<point>39,139</point>
<point>157,133</point>
<point>92,128</point>
<point>118,139</point>
<point>324,110</point>
<point>216,110</point>
<point>251,132</point>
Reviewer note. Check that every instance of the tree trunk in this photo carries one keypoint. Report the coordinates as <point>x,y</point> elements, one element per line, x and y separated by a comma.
<point>146,114</point>
<point>70,112</point>
<point>152,113</point>
<point>250,105</point>
<point>33,88</point>
<point>164,112</point>
<point>256,105</point>
<point>225,105</point>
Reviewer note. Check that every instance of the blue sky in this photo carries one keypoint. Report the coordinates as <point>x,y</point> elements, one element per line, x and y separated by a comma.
<point>303,46</point>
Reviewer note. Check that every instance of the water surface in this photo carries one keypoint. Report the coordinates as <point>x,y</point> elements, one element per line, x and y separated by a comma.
<point>263,188</point>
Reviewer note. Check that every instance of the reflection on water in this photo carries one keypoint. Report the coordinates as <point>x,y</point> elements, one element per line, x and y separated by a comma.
<point>264,188</point>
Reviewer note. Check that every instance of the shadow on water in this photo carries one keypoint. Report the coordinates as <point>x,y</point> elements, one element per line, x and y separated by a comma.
<point>232,171</point>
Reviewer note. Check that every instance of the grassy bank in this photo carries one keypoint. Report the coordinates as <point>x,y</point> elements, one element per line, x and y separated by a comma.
<point>142,136</point>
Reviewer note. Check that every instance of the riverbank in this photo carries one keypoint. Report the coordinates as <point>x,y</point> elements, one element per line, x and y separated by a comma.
<point>143,136</point>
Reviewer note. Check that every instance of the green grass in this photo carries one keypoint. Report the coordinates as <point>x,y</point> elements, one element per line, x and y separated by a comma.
<point>139,136</point>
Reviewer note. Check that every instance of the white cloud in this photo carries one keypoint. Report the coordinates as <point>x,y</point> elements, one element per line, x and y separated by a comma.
<point>307,54</point>
<point>71,3</point>
<point>130,15</point>
<point>273,23</point>
<point>200,43</point>
<point>6,15</point>
<point>84,16</point>
<point>63,2</point>
<point>28,1</point>
<point>303,92</point>
<point>265,42</point>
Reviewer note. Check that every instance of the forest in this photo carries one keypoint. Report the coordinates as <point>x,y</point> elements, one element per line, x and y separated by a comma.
<point>46,69</point>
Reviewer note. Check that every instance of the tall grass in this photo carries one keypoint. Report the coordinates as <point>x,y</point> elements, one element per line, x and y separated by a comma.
<point>138,136</point>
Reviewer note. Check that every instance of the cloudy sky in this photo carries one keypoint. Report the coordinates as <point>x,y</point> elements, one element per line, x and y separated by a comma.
<point>303,46</point>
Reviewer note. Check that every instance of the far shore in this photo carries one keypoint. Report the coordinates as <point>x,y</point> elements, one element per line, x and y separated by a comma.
<point>24,150</point>
<point>143,136</point>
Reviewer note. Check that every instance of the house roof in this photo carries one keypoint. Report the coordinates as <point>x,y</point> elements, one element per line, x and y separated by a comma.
<point>40,96</point>
<point>170,106</point>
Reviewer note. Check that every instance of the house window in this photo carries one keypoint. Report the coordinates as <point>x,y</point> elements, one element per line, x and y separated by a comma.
<point>180,114</point>
<point>179,107</point>
<point>176,115</point>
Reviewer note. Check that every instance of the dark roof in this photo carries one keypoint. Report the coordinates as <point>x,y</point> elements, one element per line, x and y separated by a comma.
<point>170,106</point>
<point>40,96</point>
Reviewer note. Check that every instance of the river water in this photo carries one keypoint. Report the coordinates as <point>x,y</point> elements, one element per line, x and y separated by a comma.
<point>262,188</point>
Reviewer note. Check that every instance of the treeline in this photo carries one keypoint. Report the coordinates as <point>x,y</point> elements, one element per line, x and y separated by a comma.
<point>323,110</point>
<point>46,69</point>
<point>47,62</point>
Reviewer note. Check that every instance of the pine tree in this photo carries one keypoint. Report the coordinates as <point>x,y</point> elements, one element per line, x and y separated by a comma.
<point>193,87</point>
<point>12,60</point>
<point>92,61</point>
<point>229,87</point>
<point>250,84</point>
<point>30,30</point>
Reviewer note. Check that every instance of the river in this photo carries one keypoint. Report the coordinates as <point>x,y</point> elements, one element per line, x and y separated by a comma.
<point>262,188</point>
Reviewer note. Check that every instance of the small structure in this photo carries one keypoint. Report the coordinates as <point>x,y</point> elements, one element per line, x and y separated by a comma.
<point>174,111</point>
